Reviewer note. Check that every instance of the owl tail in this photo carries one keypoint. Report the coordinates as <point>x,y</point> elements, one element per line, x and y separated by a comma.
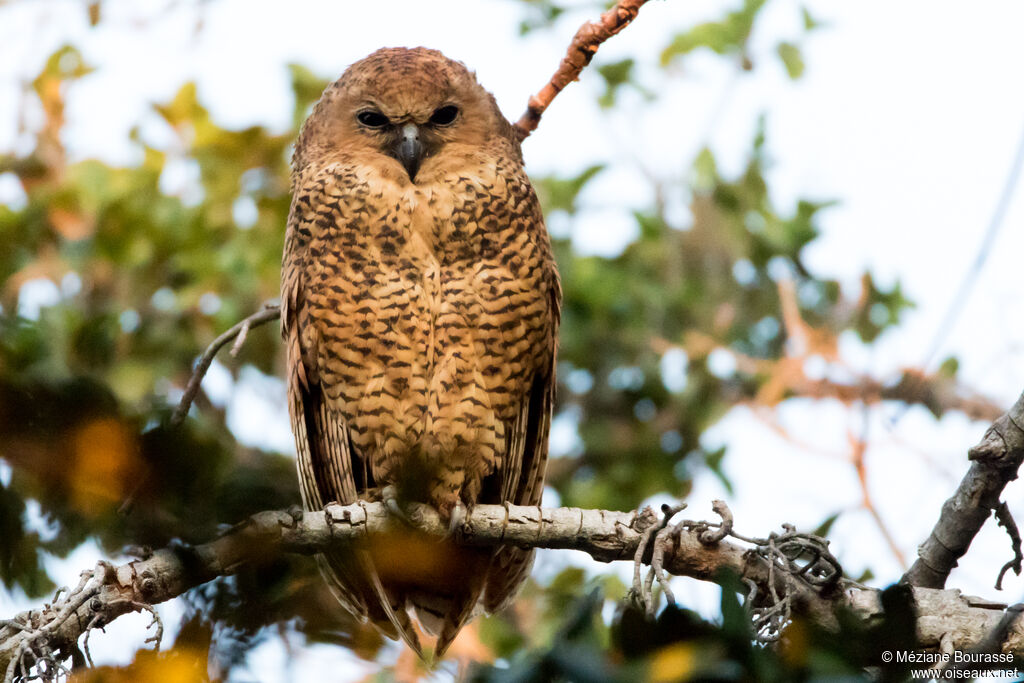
<point>443,601</point>
<point>444,616</point>
<point>355,584</point>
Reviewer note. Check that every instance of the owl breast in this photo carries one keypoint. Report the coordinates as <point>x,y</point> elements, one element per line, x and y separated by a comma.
<point>431,323</point>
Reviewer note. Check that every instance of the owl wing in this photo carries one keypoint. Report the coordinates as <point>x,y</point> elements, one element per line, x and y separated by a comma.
<point>524,467</point>
<point>521,477</point>
<point>322,441</point>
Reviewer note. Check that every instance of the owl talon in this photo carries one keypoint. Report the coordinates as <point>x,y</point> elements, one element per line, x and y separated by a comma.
<point>458,516</point>
<point>295,512</point>
<point>389,494</point>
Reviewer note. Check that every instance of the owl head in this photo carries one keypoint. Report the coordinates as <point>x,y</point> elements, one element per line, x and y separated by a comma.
<point>402,110</point>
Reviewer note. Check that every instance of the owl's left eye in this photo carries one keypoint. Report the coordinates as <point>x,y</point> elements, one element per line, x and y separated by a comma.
<point>444,115</point>
<point>372,119</point>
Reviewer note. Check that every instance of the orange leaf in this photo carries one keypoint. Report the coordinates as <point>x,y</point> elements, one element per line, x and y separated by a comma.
<point>71,225</point>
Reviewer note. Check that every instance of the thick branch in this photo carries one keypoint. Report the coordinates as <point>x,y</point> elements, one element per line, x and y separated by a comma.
<point>582,49</point>
<point>995,461</point>
<point>108,592</point>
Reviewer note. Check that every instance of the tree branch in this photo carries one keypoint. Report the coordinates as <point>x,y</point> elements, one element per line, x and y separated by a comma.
<point>995,461</point>
<point>582,49</point>
<point>240,330</point>
<point>108,592</point>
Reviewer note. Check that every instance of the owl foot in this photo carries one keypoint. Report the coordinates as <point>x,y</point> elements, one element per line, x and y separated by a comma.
<point>458,516</point>
<point>455,514</point>
<point>389,495</point>
<point>656,536</point>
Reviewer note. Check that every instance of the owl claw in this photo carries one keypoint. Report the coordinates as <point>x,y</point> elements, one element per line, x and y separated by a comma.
<point>389,494</point>
<point>458,516</point>
<point>655,538</point>
<point>455,515</point>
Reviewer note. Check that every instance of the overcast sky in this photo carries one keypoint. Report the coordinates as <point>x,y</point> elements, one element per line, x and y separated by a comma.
<point>909,114</point>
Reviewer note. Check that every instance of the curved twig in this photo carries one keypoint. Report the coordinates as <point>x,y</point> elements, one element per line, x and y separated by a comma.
<point>582,49</point>
<point>241,330</point>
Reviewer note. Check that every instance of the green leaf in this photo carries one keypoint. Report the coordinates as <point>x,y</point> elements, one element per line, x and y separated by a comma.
<point>705,170</point>
<point>735,619</point>
<point>560,194</point>
<point>714,36</point>
<point>880,309</point>
<point>792,59</point>
<point>810,23</point>
<point>615,75</point>
<point>67,63</point>
<point>714,462</point>
<point>542,14</point>
<point>865,576</point>
<point>950,367</point>
<point>306,88</point>
<point>826,525</point>
<point>728,36</point>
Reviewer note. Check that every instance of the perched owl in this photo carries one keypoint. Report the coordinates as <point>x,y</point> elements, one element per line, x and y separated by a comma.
<point>419,307</point>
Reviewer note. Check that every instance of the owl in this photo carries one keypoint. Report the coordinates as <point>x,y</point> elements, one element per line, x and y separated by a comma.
<point>420,307</point>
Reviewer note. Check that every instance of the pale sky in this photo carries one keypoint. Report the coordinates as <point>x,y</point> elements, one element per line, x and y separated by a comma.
<point>909,114</point>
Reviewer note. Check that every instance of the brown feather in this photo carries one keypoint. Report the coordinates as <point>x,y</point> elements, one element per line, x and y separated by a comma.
<point>420,317</point>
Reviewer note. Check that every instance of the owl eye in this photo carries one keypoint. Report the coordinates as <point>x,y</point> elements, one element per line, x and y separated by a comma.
<point>372,119</point>
<point>444,115</point>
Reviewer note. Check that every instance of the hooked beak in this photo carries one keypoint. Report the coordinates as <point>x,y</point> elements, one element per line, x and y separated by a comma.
<point>410,150</point>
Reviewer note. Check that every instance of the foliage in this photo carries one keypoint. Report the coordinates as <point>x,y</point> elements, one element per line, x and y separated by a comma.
<point>681,646</point>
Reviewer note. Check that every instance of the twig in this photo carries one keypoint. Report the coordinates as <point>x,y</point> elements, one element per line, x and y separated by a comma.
<point>661,543</point>
<point>641,593</point>
<point>582,49</point>
<point>241,330</point>
<point>710,537</point>
<point>93,623</point>
<point>37,644</point>
<point>995,224</point>
<point>860,446</point>
<point>995,461</point>
<point>769,622</point>
<point>1005,519</point>
<point>157,637</point>
<point>934,391</point>
<point>637,593</point>
<point>794,561</point>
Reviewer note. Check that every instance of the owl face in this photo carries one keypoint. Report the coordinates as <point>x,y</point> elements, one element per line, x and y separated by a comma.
<point>414,107</point>
<point>407,134</point>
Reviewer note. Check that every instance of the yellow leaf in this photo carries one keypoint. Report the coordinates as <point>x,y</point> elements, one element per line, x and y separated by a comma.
<point>180,665</point>
<point>673,663</point>
<point>795,647</point>
<point>106,463</point>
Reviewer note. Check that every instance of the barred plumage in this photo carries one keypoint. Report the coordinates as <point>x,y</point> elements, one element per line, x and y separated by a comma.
<point>420,306</point>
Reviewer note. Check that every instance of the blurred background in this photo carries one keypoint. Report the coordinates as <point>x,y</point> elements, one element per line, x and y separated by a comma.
<point>788,234</point>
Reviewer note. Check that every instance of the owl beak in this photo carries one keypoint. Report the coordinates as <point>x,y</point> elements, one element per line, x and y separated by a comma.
<point>410,150</point>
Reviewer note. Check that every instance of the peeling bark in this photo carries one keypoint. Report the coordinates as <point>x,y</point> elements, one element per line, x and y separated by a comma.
<point>995,461</point>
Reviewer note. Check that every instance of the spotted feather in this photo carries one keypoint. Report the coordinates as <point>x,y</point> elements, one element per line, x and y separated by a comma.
<point>420,307</point>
